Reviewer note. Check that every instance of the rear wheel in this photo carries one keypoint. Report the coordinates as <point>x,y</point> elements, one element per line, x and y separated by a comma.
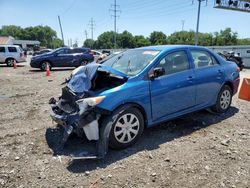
<point>126,129</point>
<point>44,65</point>
<point>224,100</point>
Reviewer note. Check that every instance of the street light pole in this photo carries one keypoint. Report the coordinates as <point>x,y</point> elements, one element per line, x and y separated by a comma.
<point>61,29</point>
<point>198,22</point>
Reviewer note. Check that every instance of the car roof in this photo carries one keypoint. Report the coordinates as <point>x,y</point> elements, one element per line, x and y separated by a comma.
<point>170,47</point>
<point>8,45</point>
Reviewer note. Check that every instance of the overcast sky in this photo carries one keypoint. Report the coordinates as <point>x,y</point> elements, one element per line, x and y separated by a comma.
<point>140,17</point>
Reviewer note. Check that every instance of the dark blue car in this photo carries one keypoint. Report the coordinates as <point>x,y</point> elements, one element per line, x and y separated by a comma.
<point>62,57</point>
<point>139,88</point>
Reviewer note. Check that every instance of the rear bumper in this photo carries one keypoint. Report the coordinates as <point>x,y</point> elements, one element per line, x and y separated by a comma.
<point>236,84</point>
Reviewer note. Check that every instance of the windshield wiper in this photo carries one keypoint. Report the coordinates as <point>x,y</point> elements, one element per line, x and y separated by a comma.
<point>128,68</point>
<point>116,60</point>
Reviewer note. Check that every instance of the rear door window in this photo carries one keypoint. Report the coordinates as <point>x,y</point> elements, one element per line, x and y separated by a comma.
<point>203,59</point>
<point>77,50</point>
<point>2,49</point>
<point>12,49</point>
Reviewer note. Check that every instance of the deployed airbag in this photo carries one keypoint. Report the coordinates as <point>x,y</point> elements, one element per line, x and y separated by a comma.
<point>81,78</point>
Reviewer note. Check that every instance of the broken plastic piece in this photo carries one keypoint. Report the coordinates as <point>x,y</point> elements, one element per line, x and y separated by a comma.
<point>91,130</point>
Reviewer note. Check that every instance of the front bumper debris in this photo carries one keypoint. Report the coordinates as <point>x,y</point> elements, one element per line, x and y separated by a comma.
<point>87,121</point>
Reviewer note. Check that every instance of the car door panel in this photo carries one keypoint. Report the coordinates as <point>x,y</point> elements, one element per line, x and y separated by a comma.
<point>209,80</point>
<point>173,92</point>
<point>210,76</point>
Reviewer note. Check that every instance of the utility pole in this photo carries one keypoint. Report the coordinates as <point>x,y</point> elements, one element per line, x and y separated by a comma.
<point>61,29</point>
<point>115,10</point>
<point>91,24</point>
<point>198,22</point>
<point>86,34</point>
<point>182,25</point>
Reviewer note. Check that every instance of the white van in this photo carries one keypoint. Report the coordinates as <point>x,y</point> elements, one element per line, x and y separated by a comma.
<point>9,53</point>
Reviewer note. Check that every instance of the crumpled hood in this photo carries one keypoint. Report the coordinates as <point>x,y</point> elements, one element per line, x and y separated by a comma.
<point>113,71</point>
<point>82,76</point>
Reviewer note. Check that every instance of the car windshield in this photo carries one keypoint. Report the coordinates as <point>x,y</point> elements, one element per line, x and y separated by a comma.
<point>131,62</point>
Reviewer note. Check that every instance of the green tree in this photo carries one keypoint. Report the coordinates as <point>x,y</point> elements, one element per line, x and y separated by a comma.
<point>105,40</point>
<point>158,38</point>
<point>44,34</point>
<point>126,40</point>
<point>12,30</point>
<point>182,37</point>
<point>205,39</point>
<point>243,41</point>
<point>225,37</point>
<point>56,43</point>
<point>89,43</point>
<point>140,41</point>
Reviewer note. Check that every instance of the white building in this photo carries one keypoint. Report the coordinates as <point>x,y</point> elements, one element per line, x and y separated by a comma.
<point>22,43</point>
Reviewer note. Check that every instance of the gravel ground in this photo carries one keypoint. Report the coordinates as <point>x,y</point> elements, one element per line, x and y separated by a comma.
<point>197,150</point>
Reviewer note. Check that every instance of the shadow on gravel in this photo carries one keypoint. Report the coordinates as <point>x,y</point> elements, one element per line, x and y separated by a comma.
<point>5,66</point>
<point>53,69</point>
<point>151,139</point>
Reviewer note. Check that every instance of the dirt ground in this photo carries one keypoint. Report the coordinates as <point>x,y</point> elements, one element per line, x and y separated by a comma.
<point>198,150</point>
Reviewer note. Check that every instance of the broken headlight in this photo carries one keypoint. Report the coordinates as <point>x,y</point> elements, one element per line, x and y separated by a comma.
<point>92,101</point>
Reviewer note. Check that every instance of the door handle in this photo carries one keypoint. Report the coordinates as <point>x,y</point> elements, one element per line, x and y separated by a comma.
<point>190,78</point>
<point>220,72</point>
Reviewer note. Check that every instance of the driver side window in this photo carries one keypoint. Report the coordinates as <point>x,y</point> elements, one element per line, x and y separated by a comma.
<point>174,62</point>
<point>62,51</point>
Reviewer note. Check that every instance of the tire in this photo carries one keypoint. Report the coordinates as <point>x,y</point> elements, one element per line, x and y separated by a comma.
<point>224,100</point>
<point>10,62</point>
<point>43,65</point>
<point>126,129</point>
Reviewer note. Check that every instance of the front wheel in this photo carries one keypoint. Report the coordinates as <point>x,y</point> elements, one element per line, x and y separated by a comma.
<point>126,129</point>
<point>224,100</point>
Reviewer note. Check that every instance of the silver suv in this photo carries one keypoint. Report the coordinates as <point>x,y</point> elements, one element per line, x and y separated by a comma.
<point>9,53</point>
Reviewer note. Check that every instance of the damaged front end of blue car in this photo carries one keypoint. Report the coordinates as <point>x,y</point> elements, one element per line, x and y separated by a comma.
<point>77,111</point>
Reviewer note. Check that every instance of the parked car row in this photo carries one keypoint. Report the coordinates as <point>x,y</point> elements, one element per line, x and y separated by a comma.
<point>65,57</point>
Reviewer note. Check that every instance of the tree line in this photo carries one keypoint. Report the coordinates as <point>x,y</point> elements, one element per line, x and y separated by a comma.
<point>127,40</point>
<point>45,34</point>
<point>48,38</point>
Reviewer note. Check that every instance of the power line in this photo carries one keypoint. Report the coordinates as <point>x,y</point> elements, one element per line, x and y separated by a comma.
<point>91,24</point>
<point>115,10</point>
<point>69,7</point>
<point>86,34</point>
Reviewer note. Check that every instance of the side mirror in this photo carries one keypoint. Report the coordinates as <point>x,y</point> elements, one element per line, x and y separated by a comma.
<point>157,72</point>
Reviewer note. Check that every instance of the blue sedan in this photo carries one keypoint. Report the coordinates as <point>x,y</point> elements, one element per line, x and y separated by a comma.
<point>114,101</point>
